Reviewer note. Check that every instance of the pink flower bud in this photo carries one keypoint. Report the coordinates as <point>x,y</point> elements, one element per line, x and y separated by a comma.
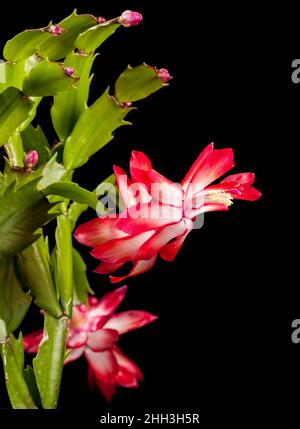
<point>30,159</point>
<point>69,71</point>
<point>130,18</point>
<point>164,75</point>
<point>55,30</point>
<point>101,20</point>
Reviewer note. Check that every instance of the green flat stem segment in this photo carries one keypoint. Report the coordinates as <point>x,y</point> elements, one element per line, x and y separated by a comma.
<point>48,364</point>
<point>15,150</point>
<point>14,110</point>
<point>34,265</point>
<point>64,263</point>
<point>18,391</point>
<point>93,130</point>
<point>69,105</point>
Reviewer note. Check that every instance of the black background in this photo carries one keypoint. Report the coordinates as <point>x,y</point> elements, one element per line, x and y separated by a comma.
<point>222,344</point>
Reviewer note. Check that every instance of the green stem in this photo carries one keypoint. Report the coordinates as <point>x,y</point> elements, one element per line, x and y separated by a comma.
<point>48,364</point>
<point>17,388</point>
<point>14,150</point>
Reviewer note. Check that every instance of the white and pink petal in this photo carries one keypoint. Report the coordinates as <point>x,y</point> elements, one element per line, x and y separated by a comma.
<point>101,340</point>
<point>127,321</point>
<point>103,365</point>
<point>139,267</point>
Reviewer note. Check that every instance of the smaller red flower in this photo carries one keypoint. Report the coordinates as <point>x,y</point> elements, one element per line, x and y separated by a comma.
<point>94,332</point>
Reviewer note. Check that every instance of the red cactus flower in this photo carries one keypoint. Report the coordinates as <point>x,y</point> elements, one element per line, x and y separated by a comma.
<point>159,214</point>
<point>94,332</point>
<point>130,18</point>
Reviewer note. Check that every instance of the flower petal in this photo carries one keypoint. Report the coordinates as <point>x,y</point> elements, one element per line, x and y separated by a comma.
<point>109,302</point>
<point>196,165</point>
<point>243,182</point>
<point>215,164</point>
<point>107,267</point>
<point>98,231</point>
<point>123,184</point>
<point>102,340</point>
<point>170,250</point>
<point>248,193</point>
<point>122,249</point>
<point>161,189</point>
<point>131,193</point>
<point>139,267</point>
<point>243,178</point>
<point>145,217</point>
<point>211,207</point>
<point>77,340</point>
<point>129,320</point>
<point>103,364</point>
<point>126,379</point>
<point>106,389</point>
<point>127,364</point>
<point>74,354</point>
<point>160,239</point>
<point>139,161</point>
<point>32,341</point>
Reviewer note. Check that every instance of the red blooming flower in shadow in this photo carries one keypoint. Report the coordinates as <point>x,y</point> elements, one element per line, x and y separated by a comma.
<point>94,332</point>
<point>159,214</point>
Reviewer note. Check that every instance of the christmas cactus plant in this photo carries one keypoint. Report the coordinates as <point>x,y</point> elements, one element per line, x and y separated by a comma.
<point>151,216</point>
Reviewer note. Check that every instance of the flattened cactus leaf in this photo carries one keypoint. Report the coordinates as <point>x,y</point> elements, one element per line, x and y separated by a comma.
<point>93,130</point>
<point>29,377</point>
<point>22,212</point>
<point>45,79</point>
<point>137,83</point>
<point>24,44</point>
<point>13,362</point>
<point>75,211</point>
<point>15,149</point>
<point>64,263</point>
<point>35,268</point>
<point>69,105</point>
<point>92,38</point>
<point>52,172</point>
<point>14,302</point>
<point>49,361</point>
<point>35,139</point>
<point>14,110</point>
<point>72,191</point>
<point>80,281</point>
<point>56,48</point>
<point>12,74</point>
<point>31,115</point>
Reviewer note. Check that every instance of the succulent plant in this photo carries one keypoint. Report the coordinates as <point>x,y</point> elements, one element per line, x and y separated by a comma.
<point>36,186</point>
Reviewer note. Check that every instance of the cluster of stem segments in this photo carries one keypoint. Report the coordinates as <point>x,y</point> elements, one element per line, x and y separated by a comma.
<point>36,186</point>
